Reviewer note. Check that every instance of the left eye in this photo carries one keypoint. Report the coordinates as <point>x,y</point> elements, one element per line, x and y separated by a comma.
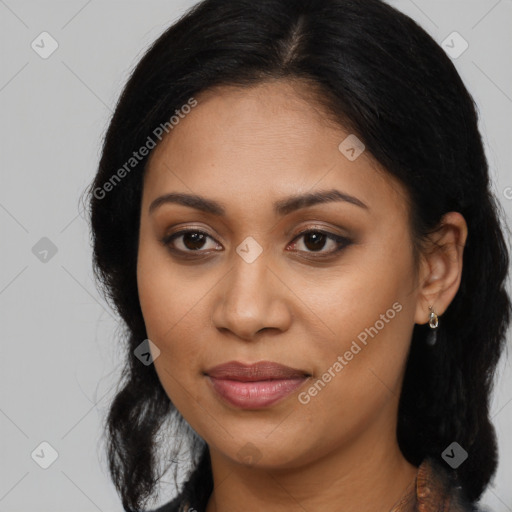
<point>314,241</point>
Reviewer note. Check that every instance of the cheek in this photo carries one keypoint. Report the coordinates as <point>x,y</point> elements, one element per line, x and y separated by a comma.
<point>360,375</point>
<point>169,309</point>
<point>372,282</point>
<point>164,295</point>
<point>168,304</point>
<point>370,310</point>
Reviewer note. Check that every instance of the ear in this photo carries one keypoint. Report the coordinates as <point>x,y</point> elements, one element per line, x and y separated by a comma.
<point>441,267</point>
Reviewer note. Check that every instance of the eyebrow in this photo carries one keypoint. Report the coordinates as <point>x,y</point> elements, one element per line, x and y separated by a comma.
<point>281,207</point>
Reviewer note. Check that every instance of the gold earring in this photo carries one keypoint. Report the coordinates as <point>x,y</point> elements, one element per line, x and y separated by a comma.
<point>433,320</point>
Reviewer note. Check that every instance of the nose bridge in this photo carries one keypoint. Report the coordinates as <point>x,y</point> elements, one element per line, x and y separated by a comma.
<point>249,301</point>
<point>247,278</point>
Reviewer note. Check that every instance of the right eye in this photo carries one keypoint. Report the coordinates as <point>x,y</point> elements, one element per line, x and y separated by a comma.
<point>188,241</point>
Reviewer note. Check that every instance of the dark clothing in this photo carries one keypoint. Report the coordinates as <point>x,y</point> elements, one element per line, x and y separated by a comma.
<point>434,490</point>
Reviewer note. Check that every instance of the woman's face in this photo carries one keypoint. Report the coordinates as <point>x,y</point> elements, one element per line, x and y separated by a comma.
<point>339,306</point>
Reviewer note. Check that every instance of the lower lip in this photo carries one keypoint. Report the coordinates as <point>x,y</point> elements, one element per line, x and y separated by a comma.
<point>255,395</point>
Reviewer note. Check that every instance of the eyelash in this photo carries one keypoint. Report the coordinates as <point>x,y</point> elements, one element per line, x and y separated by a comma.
<point>341,241</point>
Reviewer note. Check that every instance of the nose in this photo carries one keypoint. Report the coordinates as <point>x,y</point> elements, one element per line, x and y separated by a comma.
<point>251,299</point>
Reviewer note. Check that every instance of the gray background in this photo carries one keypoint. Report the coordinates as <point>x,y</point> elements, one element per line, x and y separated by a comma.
<point>60,358</point>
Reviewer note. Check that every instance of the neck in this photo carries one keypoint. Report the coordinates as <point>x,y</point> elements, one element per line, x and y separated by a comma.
<point>367,474</point>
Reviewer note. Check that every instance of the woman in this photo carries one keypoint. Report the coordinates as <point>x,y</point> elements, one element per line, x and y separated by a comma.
<point>292,214</point>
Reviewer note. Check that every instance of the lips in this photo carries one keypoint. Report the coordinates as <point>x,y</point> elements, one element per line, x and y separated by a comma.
<point>254,386</point>
<point>263,370</point>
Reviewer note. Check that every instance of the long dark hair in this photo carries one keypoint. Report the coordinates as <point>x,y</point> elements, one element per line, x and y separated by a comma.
<point>381,76</point>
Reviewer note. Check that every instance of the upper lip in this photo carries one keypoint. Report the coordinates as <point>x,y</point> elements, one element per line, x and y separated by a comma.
<point>262,370</point>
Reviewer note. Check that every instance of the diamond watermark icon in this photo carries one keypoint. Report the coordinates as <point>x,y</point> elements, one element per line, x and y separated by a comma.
<point>249,250</point>
<point>455,45</point>
<point>249,454</point>
<point>44,45</point>
<point>147,352</point>
<point>454,455</point>
<point>44,250</point>
<point>44,455</point>
<point>352,147</point>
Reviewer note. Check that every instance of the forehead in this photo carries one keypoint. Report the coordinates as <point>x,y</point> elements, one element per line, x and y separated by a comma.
<point>262,143</point>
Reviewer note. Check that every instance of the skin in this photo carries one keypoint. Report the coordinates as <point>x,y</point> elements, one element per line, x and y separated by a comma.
<point>247,148</point>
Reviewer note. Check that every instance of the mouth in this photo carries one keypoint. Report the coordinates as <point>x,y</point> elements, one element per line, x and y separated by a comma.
<point>254,386</point>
